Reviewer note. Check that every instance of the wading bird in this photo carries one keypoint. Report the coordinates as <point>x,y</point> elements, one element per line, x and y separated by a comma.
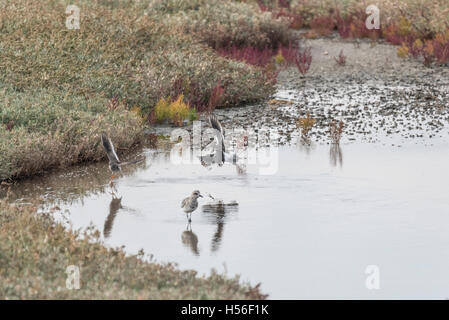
<point>190,204</point>
<point>220,156</point>
<point>114,162</point>
<point>214,123</point>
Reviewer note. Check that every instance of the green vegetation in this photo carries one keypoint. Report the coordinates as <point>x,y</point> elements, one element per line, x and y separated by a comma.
<point>35,252</point>
<point>176,111</point>
<point>58,85</point>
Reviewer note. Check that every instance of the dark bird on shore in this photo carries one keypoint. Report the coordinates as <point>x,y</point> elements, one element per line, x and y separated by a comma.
<point>114,163</point>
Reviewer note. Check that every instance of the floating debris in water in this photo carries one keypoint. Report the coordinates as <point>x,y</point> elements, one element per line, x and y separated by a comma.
<point>219,207</point>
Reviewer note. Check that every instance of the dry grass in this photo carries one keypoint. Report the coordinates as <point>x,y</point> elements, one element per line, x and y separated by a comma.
<point>305,124</point>
<point>35,252</point>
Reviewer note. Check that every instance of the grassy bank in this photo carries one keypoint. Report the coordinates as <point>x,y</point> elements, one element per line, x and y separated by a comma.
<point>35,252</point>
<point>60,87</point>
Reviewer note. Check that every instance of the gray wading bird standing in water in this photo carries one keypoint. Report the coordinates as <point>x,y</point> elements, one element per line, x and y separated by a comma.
<point>114,162</point>
<point>190,204</point>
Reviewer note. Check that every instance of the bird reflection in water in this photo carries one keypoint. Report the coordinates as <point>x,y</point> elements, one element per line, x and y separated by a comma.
<point>114,206</point>
<point>336,155</point>
<point>190,240</point>
<point>217,212</point>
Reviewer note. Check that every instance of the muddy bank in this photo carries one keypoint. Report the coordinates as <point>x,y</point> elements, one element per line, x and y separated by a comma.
<point>376,94</point>
<point>379,97</point>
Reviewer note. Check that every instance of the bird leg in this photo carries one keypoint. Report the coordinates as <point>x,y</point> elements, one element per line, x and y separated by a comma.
<point>111,182</point>
<point>112,186</point>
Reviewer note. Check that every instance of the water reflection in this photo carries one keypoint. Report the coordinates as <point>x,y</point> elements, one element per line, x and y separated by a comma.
<point>336,155</point>
<point>217,212</point>
<point>208,161</point>
<point>190,240</point>
<point>400,196</point>
<point>114,206</point>
<point>66,185</point>
<point>305,144</point>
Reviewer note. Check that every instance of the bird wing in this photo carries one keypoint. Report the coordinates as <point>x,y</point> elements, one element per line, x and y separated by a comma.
<point>213,121</point>
<point>184,202</point>
<point>109,148</point>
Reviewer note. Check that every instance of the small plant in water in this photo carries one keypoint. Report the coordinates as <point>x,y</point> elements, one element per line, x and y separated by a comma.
<point>341,59</point>
<point>305,124</point>
<point>336,130</point>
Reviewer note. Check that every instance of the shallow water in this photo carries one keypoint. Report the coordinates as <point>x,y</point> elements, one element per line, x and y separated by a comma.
<point>308,231</point>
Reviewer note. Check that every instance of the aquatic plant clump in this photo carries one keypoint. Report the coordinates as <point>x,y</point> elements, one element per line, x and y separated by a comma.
<point>336,131</point>
<point>305,124</point>
<point>225,24</point>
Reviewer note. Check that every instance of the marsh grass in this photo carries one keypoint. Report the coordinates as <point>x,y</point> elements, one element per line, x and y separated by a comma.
<point>35,252</point>
<point>175,111</point>
<point>60,87</point>
<point>48,132</point>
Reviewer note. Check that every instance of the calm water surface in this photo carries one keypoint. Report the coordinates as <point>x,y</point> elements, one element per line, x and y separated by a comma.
<point>308,231</point>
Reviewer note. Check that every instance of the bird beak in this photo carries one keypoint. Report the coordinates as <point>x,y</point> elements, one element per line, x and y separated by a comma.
<point>200,196</point>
